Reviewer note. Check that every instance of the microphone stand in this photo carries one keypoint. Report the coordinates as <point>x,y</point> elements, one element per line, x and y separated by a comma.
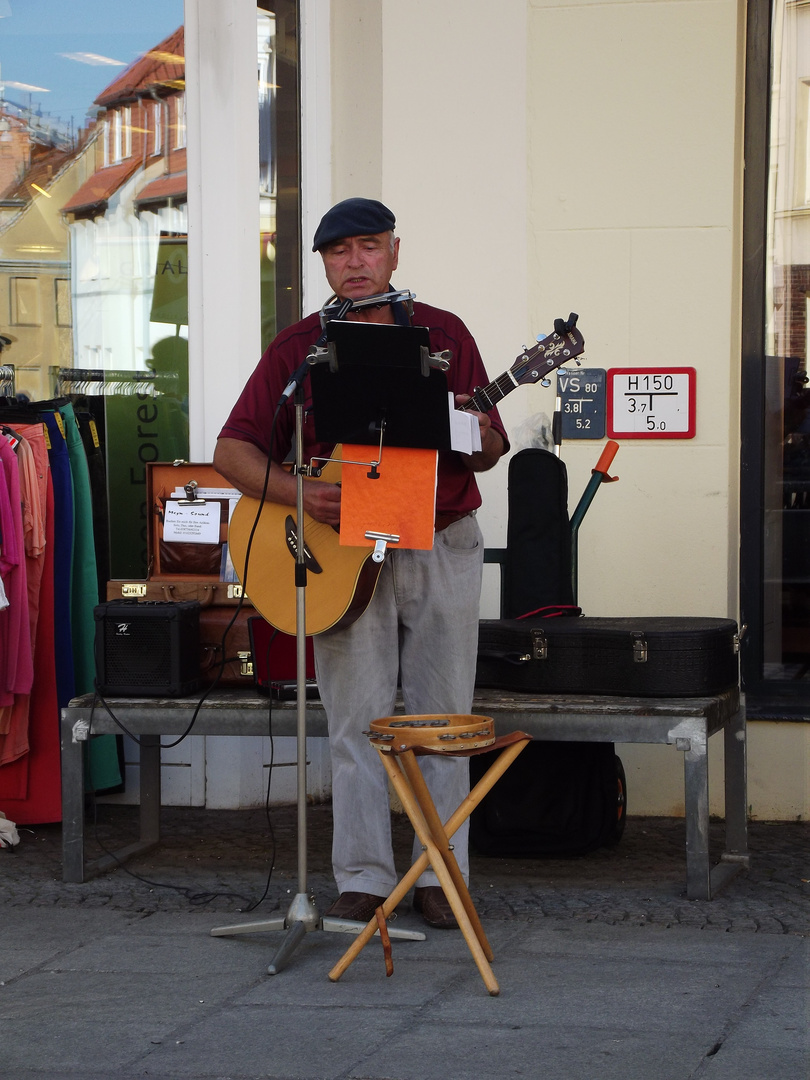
<point>302,915</point>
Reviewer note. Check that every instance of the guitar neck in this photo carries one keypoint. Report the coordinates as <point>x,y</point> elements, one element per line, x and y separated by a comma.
<point>533,365</point>
<point>485,398</point>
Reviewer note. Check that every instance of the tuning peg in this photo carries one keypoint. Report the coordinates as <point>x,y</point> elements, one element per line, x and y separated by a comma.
<point>545,381</point>
<point>540,337</point>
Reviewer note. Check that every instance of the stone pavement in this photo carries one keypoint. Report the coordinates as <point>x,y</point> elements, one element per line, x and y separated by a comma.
<point>606,969</point>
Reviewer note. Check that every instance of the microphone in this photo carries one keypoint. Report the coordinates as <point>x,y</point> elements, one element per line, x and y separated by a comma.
<point>295,381</point>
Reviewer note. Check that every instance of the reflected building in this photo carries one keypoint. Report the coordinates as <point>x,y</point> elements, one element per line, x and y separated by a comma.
<point>39,173</point>
<point>135,197</point>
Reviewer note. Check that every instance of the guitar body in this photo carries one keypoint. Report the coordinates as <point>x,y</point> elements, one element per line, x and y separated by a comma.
<point>335,597</point>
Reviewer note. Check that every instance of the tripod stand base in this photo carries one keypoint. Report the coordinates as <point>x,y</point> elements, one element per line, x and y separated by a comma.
<point>301,919</point>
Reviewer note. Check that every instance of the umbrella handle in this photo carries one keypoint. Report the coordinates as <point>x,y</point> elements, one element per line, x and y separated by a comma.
<point>605,460</point>
<point>599,475</point>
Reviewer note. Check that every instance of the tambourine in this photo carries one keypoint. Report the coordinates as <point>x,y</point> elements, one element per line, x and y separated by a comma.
<point>434,731</point>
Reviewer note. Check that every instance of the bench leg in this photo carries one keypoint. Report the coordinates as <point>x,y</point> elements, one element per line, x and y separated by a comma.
<point>702,881</point>
<point>72,754</point>
<point>696,797</point>
<point>736,787</point>
<point>149,818</point>
<point>150,793</point>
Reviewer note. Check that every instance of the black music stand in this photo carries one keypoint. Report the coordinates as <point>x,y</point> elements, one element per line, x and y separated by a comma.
<point>366,388</point>
<point>377,380</point>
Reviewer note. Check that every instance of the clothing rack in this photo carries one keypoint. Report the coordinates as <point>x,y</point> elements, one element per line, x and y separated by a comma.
<point>97,382</point>
<point>7,381</point>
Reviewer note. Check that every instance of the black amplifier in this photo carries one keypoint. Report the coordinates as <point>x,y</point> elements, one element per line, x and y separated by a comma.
<point>148,648</point>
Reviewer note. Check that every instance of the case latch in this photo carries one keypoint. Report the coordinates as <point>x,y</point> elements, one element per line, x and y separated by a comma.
<point>136,589</point>
<point>539,645</point>
<point>245,663</point>
<point>639,648</point>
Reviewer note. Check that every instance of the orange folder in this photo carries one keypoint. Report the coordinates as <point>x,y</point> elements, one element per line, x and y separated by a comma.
<point>402,500</point>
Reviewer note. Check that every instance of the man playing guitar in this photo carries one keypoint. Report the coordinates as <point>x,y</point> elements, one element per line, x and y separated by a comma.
<point>421,626</point>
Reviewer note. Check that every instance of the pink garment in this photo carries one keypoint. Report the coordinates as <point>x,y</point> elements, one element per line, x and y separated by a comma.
<point>32,455</point>
<point>16,660</point>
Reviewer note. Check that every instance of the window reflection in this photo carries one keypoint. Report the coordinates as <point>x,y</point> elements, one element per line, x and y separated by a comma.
<point>93,225</point>
<point>279,172</point>
<point>786,495</point>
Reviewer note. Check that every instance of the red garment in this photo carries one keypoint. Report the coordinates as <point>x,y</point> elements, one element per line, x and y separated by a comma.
<point>31,787</point>
<point>251,415</point>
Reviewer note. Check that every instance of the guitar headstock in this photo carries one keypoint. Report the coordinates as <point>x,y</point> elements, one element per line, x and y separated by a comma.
<point>536,363</point>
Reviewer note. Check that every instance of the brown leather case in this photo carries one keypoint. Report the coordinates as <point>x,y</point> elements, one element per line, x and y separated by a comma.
<point>216,634</point>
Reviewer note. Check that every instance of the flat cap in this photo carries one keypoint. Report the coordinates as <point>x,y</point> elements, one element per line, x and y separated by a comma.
<point>353,217</point>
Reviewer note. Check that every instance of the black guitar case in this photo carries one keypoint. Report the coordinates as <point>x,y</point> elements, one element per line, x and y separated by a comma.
<point>537,571</point>
<point>654,656</point>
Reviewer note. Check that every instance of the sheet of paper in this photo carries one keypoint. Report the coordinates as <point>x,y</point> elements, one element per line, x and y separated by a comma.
<point>191,523</point>
<point>401,501</point>
<point>465,434</point>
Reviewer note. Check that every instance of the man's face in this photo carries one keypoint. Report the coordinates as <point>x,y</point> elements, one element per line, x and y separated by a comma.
<point>360,266</point>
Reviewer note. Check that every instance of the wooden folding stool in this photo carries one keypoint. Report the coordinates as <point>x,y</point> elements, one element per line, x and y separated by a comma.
<point>399,741</point>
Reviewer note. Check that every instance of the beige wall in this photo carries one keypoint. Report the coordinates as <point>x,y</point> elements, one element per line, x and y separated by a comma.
<point>544,157</point>
<point>634,221</point>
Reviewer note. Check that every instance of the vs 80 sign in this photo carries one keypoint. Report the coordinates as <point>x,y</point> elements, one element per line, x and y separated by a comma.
<point>581,395</point>
<point>651,403</point>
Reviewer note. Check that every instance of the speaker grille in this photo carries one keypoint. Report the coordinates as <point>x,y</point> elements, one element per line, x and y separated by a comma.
<point>137,651</point>
<point>148,648</point>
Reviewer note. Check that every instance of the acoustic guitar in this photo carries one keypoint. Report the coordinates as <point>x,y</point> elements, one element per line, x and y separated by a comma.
<point>342,579</point>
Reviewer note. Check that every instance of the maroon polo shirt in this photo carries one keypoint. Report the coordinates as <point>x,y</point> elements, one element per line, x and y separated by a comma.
<point>252,414</point>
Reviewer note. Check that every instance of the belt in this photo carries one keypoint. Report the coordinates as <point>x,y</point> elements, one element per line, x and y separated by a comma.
<point>443,520</point>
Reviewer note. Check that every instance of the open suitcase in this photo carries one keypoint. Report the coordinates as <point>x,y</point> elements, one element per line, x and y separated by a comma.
<point>186,570</point>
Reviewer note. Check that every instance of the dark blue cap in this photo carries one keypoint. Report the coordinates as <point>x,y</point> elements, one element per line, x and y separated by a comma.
<point>353,217</point>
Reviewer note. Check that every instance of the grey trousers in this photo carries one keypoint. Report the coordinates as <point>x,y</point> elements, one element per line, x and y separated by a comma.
<point>421,626</point>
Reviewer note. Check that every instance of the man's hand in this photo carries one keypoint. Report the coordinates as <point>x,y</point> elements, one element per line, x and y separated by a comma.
<point>245,465</point>
<point>322,501</point>
<point>492,445</point>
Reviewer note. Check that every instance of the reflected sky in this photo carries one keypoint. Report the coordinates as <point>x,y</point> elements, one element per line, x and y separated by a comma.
<point>58,55</point>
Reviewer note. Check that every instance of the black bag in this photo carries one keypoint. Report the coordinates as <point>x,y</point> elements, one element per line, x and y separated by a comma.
<point>656,656</point>
<point>556,799</point>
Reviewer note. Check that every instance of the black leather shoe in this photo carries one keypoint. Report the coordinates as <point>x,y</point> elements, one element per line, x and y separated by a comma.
<point>433,906</point>
<point>359,906</point>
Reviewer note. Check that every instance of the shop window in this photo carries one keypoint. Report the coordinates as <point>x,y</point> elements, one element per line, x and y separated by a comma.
<point>62,302</point>
<point>179,121</point>
<point>25,309</point>
<point>126,132</point>
<point>157,127</point>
